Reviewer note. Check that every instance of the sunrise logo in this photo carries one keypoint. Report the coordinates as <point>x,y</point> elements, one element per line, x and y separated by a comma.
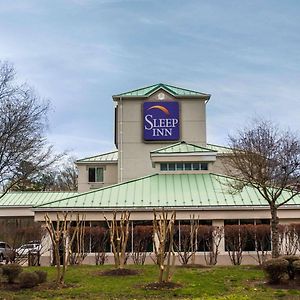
<point>160,107</point>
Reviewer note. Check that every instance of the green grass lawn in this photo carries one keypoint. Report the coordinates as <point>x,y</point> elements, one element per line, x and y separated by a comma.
<point>236,282</point>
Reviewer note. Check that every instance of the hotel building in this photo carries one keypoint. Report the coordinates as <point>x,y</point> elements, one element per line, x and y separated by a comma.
<point>162,160</point>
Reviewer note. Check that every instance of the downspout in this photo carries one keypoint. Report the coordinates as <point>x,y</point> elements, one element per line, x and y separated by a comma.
<point>121,141</point>
<point>208,98</point>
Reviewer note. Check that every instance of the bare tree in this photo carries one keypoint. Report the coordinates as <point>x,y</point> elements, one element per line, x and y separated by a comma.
<point>62,241</point>
<point>296,227</point>
<point>119,234</point>
<point>17,231</point>
<point>268,159</point>
<point>100,243</point>
<point>186,246</point>
<point>61,176</point>
<point>210,237</point>
<point>23,116</point>
<point>67,177</point>
<point>288,239</point>
<point>142,239</point>
<point>79,252</point>
<point>236,237</point>
<point>163,234</point>
<point>260,235</point>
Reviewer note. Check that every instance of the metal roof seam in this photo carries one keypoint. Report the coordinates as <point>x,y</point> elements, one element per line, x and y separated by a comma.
<point>222,187</point>
<point>189,188</point>
<point>206,189</point>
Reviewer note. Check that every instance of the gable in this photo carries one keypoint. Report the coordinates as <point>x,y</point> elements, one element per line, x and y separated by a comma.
<point>147,91</point>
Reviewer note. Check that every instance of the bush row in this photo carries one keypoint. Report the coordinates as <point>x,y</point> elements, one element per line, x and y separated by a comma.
<point>283,267</point>
<point>14,273</point>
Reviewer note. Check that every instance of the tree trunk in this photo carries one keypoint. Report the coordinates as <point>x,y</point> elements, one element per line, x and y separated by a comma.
<point>161,272</point>
<point>275,233</point>
<point>57,261</point>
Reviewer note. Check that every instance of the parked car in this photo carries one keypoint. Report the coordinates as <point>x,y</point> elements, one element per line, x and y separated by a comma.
<point>30,247</point>
<point>6,252</point>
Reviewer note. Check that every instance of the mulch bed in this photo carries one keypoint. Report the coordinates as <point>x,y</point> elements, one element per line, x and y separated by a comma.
<point>119,272</point>
<point>10,287</point>
<point>194,266</point>
<point>40,287</point>
<point>285,285</point>
<point>162,286</point>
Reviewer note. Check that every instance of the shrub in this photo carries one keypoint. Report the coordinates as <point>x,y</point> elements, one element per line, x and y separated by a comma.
<point>100,243</point>
<point>42,276</point>
<point>11,272</point>
<point>291,270</point>
<point>260,239</point>
<point>236,237</point>
<point>141,243</point>
<point>296,265</point>
<point>28,279</point>
<point>290,258</point>
<point>275,269</point>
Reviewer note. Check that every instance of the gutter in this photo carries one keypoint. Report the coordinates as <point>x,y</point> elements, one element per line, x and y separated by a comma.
<point>98,162</point>
<point>183,154</point>
<point>184,208</point>
<point>202,97</point>
<point>16,206</point>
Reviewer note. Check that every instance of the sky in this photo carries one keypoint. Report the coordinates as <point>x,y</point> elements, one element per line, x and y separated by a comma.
<point>78,53</point>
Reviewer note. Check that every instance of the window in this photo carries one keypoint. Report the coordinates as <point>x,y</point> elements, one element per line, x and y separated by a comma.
<point>179,166</point>
<point>196,166</point>
<point>99,237</point>
<point>204,166</point>
<point>171,167</point>
<point>95,174</point>
<point>203,235</point>
<point>184,166</point>
<point>142,236</point>
<point>258,236</point>
<point>188,166</point>
<point>231,222</point>
<point>164,167</point>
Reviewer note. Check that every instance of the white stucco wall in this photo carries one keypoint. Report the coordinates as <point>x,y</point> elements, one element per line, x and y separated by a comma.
<point>134,152</point>
<point>110,176</point>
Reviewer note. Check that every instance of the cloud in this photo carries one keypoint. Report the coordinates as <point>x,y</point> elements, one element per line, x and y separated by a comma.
<point>152,21</point>
<point>78,145</point>
<point>20,6</point>
<point>100,2</point>
<point>235,101</point>
<point>80,52</point>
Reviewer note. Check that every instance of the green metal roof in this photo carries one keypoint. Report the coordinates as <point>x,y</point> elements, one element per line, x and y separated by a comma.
<point>165,190</point>
<point>182,147</point>
<point>105,157</point>
<point>16,199</point>
<point>173,90</point>
<point>219,149</point>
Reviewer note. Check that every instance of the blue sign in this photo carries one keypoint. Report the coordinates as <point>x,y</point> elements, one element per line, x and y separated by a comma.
<point>161,121</point>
